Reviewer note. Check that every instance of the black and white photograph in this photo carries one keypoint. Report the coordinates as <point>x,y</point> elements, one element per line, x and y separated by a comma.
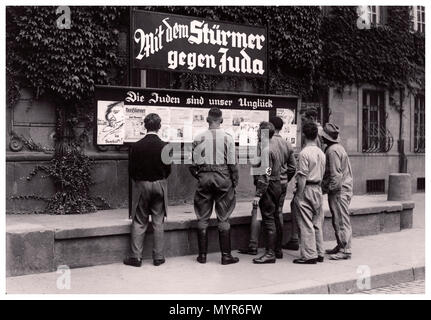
<point>225,150</point>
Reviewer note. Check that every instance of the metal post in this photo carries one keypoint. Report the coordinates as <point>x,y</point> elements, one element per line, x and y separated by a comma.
<point>130,81</point>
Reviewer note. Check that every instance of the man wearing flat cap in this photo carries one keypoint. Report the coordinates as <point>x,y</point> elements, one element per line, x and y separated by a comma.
<point>215,168</point>
<point>338,183</point>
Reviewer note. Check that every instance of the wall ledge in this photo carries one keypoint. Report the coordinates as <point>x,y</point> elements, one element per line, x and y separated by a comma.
<point>41,156</point>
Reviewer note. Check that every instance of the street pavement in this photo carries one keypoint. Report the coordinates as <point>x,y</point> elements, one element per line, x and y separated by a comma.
<point>413,287</point>
<point>387,256</point>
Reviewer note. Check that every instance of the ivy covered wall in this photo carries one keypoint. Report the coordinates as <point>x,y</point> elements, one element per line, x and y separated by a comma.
<point>309,50</point>
<point>389,55</point>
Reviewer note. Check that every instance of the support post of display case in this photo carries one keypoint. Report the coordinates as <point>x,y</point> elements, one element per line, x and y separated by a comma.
<point>130,81</point>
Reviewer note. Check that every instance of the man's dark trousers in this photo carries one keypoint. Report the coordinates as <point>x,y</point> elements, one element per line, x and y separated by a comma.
<point>152,201</point>
<point>215,189</point>
<point>269,204</point>
<point>279,223</point>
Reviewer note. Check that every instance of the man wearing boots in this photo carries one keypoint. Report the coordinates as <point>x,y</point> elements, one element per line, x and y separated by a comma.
<point>309,199</point>
<point>149,173</point>
<point>268,189</point>
<point>215,168</point>
<point>338,183</point>
<point>288,169</point>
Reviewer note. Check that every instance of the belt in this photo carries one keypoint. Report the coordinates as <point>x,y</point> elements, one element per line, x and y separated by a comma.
<point>313,183</point>
<point>213,168</point>
<point>274,178</point>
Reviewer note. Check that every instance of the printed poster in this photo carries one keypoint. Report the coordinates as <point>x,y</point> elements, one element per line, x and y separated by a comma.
<point>245,124</point>
<point>200,117</point>
<point>248,134</point>
<point>134,123</point>
<point>287,115</point>
<point>163,112</point>
<point>288,131</point>
<point>110,122</point>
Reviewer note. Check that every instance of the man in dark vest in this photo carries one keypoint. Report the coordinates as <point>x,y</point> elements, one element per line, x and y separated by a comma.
<point>149,172</point>
<point>215,168</point>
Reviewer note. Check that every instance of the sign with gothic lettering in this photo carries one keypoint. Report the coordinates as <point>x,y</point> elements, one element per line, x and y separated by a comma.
<point>120,113</point>
<point>187,44</point>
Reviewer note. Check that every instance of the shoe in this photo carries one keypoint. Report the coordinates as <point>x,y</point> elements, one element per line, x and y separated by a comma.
<point>268,257</point>
<point>202,258</point>
<point>225,248</point>
<point>134,262</point>
<point>279,254</point>
<point>303,261</point>
<point>249,250</point>
<point>320,259</point>
<point>341,256</point>
<point>291,245</point>
<point>333,251</point>
<point>202,245</point>
<point>158,262</point>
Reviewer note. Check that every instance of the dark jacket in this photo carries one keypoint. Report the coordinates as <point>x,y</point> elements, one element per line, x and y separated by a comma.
<point>269,168</point>
<point>288,166</point>
<point>338,174</point>
<point>145,162</point>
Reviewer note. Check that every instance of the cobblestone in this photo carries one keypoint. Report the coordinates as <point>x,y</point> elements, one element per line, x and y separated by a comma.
<point>414,287</point>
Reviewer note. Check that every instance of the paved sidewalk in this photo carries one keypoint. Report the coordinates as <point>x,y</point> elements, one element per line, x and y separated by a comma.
<point>390,258</point>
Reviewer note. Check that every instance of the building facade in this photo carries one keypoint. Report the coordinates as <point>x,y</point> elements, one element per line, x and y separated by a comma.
<point>383,132</point>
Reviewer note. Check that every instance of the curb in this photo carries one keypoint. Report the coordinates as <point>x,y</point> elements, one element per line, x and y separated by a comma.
<point>346,284</point>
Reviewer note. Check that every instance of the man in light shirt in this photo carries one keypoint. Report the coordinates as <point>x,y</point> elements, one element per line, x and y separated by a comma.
<point>338,184</point>
<point>309,198</point>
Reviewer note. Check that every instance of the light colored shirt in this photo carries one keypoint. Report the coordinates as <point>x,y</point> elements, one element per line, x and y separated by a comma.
<point>338,174</point>
<point>212,150</point>
<point>311,163</point>
<point>214,147</point>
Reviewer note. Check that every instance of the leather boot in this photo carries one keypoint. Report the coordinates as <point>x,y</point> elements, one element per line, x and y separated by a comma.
<point>202,245</point>
<point>225,248</point>
<point>279,237</point>
<point>269,256</point>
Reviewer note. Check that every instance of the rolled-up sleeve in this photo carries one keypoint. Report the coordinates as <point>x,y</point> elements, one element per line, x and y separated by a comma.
<point>303,164</point>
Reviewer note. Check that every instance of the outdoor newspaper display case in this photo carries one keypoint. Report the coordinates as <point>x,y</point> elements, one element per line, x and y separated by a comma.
<point>172,43</point>
<point>120,113</point>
